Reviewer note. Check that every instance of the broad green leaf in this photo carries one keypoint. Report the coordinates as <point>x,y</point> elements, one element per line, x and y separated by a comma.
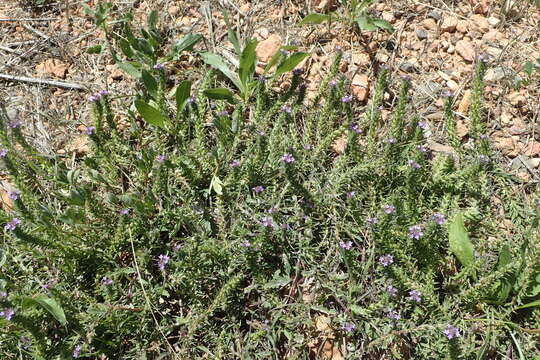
<point>125,47</point>
<point>460,244</point>
<point>217,62</point>
<point>182,94</point>
<point>48,304</point>
<point>130,69</point>
<point>315,18</point>
<point>275,58</point>
<point>503,286</point>
<point>247,63</point>
<point>150,114</point>
<point>277,281</point>
<point>233,38</point>
<point>383,24</point>
<point>530,305</point>
<point>365,23</point>
<point>291,63</point>
<point>152,20</point>
<point>528,67</point>
<point>217,185</point>
<point>149,82</point>
<point>96,49</point>
<point>220,94</point>
<point>186,43</point>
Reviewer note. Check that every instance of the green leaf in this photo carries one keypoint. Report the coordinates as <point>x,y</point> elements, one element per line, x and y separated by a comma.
<point>48,304</point>
<point>182,94</point>
<point>460,244</point>
<point>275,58</point>
<point>149,82</point>
<point>220,94</point>
<point>315,18</point>
<point>150,114</point>
<point>152,20</point>
<point>217,62</point>
<point>383,24</point>
<point>277,281</point>
<point>530,305</point>
<point>130,69</point>
<point>247,63</point>
<point>186,43</point>
<point>528,67</point>
<point>217,185</point>
<point>233,38</point>
<point>291,63</point>
<point>96,49</point>
<point>365,23</point>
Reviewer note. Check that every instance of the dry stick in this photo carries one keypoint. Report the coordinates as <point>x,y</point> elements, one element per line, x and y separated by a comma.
<point>6,49</point>
<point>27,19</point>
<point>35,31</point>
<point>60,84</point>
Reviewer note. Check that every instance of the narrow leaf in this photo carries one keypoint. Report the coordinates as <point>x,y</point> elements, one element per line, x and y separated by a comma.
<point>365,23</point>
<point>291,63</point>
<point>233,38</point>
<point>460,244</point>
<point>220,94</point>
<point>275,58</point>
<point>217,62</point>
<point>150,114</point>
<point>530,305</point>
<point>383,24</point>
<point>247,63</point>
<point>96,49</point>
<point>149,82</point>
<point>130,69</point>
<point>186,43</point>
<point>315,18</point>
<point>182,94</point>
<point>48,304</point>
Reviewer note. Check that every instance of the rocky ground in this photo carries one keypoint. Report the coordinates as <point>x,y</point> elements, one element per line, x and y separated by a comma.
<point>435,43</point>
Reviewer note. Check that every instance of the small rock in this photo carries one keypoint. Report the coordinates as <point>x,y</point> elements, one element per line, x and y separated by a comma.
<point>517,99</point>
<point>452,85</point>
<point>430,24</point>
<point>493,21</point>
<point>267,48</point>
<point>480,23</point>
<point>525,176</point>
<point>53,67</point>
<point>533,148</point>
<point>388,16</point>
<point>462,128</point>
<point>462,26</point>
<point>173,10</point>
<point>507,145</point>
<point>360,59</point>
<point>421,34</point>
<point>434,15</point>
<point>534,163</point>
<point>451,49</point>
<point>495,74</point>
<point>360,86</point>
<point>245,8</point>
<point>465,48</point>
<point>465,102</point>
<point>407,67</point>
<point>449,24</point>
<point>340,145</point>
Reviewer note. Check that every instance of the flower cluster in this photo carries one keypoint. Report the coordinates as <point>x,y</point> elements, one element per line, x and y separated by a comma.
<point>162,261</point>
<point>416,232</point>
<point>386,260</point>
<point>451,332</point>
<point>12,225</point>
<point>7,314</point>
<point>288,158</point>
<point>346,245</point>
<point>97,96</point>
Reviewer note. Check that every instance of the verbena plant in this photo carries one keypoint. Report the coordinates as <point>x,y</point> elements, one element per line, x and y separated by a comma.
<point>231,229</point>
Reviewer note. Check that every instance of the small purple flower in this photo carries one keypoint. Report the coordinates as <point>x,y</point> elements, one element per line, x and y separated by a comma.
<point>267,221</point>
<point>483,137</point>
<point>346,245</point>
<point>162,261</point>
<point>308,147</point>
<point>77,351</point>
<point>423,125</point>
<point>159,66</point>
<point>235,163</point>
<point>332,83</point>
<point>483,159</point>
<point>3,152</point>
<point>372,220</point>
<point>3,294</point>
<point>448,94</point>
<point>258,189</point>
<point>285,226</point>
<point>265,325</point>
<point>346,99</point>
<point>416,232</point>
<point>286,109</point>
<point>414,164</point>
<point>177,247</point>
<point>391,140</point>
<point>415,295</point>
<point>351,194</point>
<point>246,243</point>
<point>392,291</point>
<point>386,260</point>
<point>261,78</point>
<point>14,195</point>
<point>261,133</point>
<point>288,158</point>
<point>389,209</point>
<point>106,281</point>
<point>438,218</point>
<point>48,285</point>
<point>272,210</point>
<point>356,128</point>
<point>190,100</point>
<point>161,158</point>
<point>348,327</point>
<point>421,148</point>
<point>7,314</point>
<point>393,314</point>
<point>223,113</point>
<point>451,332</point>
<point>538,203</point>
<point>12,225</point>
<point>15,124</point>
<point>102,93</point>
<point>90,130</point>
<point>124,212</point>
<point>483,58</point>
<point>284,52</point>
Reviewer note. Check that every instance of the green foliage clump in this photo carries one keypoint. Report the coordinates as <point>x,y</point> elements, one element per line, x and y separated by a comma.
<point>227,226</point>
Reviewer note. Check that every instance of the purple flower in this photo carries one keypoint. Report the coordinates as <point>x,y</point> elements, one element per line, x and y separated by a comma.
<point>106,281</point>
<point>285,227</point>
<point>356,128</point>
<point>159,66</point>
<point>265,324</point>
<point>267,221</point>
<point>177,247</point>
<point>235,163</point>
<point>414,164</point>
<point>77,351</point>
<point>190,100</point>
<point>483,136</point>
<point>421,148</point>
<point>346,99</point>
<point>12,225</point>
<point>386,260</point>
<point>93,98</point>
<point>393,314</point>
<point>3,152</point>
<point>348,327</point>
<point>448,94</point>
<point>538,202</point>
<point>261,133</point>
<point>308,147</point>
<point>124,212</point>
<point>14,195</point>
<point>423,125</point>
<point>389,209</point>
<point>162,261</point>
<point>416,232</point>
<point>351,194</point>
<point>223,113</point>
<point>3,294</point>
<point>272,210</point>
<point>347,245</point>
<point>7,314</point>
<point>286,109</point>
<point>391,140</point>
<point>246,243</point>
<point>48,285</point>
<point>415,295</point>
<point>90,130</point>
<point>483,58</point>
<point>161,158</point>
<point>332,83</point>
<point>288,158</point>
<point>258,189</point>
<point>372,220</point>
<point>392,291</point>
<point>15,124</point>
<point>451,332</point>
<point>438,218</point>
<point>102,93</point>
<point>261,78</point>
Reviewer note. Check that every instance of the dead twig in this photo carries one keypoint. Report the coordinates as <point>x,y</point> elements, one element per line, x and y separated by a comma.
<point>35,31</point>
<point>27,19</point>
<point>54,83</point>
